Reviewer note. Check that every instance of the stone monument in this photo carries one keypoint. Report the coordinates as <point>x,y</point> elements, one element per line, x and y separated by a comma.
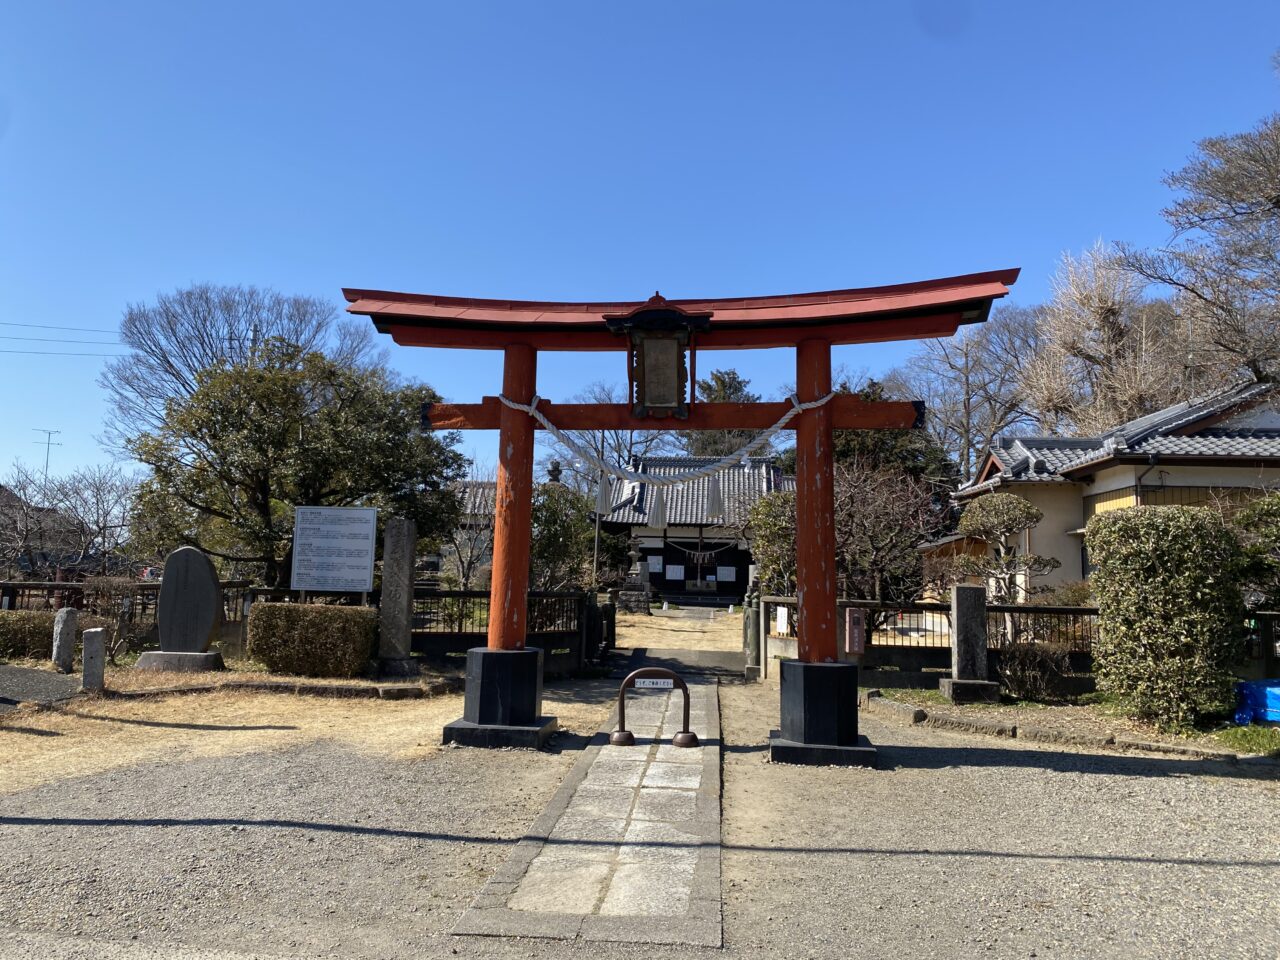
<point>968,682</point>
<point>64,639</point>
<point>188,615</point>
<point>395,610</point>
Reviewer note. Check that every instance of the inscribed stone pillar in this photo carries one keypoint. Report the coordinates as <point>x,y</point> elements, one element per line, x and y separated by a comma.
<point>64,639</point>
<point>95,657</point>
<point>395,628</point>
<point>968,633</point>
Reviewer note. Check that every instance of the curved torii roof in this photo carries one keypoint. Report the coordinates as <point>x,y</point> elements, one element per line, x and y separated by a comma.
<point>929,308</point>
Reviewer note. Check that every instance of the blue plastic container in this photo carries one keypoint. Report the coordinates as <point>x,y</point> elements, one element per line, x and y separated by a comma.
<point>1259,701</point>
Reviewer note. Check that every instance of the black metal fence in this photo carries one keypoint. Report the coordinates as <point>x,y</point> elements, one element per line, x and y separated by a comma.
<point>137,604</point>
<point>928,624</point>
<point>1070,629</point>
<point>914,639</point>
<point>567,626</point>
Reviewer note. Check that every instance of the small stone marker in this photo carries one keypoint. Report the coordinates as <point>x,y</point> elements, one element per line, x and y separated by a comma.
<point>188,614</point>
<point>64,639</point>
<point>95,657</point>
<point>855,631</point>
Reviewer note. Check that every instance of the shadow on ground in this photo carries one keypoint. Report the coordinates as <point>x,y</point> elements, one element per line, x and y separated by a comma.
<point>167,823</point>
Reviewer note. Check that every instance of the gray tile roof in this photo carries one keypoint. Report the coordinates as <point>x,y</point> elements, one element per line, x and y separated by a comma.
<point>1046,459</point>
<point>740,485</point>
<point>479,497</point>
<point>1218,443</point>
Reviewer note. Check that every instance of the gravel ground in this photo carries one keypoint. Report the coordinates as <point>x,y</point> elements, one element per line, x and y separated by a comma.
<point>20,683</point>
<point>960,846</point>
<point>968,846</point>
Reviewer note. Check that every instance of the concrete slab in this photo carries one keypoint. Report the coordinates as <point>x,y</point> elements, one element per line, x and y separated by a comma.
<point>666,753</point>
<point>561,886</point>
<point>605,802</point>
<point>658,803</point>
<point>627,850</point>
<point>680,775</point>
<point>616,774</point>
<point>648,890</point>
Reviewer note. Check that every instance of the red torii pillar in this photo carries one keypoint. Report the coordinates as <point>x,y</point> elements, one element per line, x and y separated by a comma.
<point>512,529</point>
<point>815,509</point>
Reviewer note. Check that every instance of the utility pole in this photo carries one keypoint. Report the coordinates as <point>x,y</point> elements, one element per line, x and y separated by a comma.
<point>595,553</point>
<point>48,442</point>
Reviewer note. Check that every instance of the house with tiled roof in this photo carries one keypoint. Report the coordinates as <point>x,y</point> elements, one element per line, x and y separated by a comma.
<point>695,556</point>
<point>1219,448</point>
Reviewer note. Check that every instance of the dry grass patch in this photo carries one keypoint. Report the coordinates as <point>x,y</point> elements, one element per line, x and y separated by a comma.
<point>90,735</point>
<point>679,633</point>
<point>127,679</point>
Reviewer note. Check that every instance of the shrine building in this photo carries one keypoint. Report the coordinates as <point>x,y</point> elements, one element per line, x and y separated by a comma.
<point>699,556</point>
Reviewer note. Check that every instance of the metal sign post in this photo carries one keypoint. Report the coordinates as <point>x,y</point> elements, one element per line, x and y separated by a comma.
<point>652,678</point>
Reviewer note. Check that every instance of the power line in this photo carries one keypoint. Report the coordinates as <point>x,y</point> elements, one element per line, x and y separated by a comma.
<point>101,343</point>
<point>53,326</point>
<point>62,353</point>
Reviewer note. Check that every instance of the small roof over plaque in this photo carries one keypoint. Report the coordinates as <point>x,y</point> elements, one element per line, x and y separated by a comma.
<point>658,313</point>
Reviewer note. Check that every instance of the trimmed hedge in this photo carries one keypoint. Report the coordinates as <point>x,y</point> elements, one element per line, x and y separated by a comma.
<point>1171,613</point>
<point>312,640</point>
<point>29,633</point>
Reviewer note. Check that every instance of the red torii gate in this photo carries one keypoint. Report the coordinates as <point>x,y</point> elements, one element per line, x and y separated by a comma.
<point>503,695</point>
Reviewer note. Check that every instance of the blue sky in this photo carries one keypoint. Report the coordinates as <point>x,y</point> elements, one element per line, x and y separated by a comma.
<point>574,151</point>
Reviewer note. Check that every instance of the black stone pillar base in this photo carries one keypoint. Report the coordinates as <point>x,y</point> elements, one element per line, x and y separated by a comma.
<point>503,701</point>
<point>819,707</point>
<point>969,691</point>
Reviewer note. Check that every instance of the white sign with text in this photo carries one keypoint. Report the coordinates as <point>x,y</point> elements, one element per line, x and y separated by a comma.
<point>654,683</point>
<point>333,548</point>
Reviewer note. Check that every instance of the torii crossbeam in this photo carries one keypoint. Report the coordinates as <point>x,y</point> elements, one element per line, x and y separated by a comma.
<point>819,692</point>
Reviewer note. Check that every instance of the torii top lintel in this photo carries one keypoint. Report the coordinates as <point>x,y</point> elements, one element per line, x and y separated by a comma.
<point>929,308</point>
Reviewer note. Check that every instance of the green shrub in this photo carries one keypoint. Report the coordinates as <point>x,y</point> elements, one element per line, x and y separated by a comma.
<point>1073,593</point>
<point>1035,671</point>
<point>312,640</point>
<point>1171,613</point>
<point>29,633</point>
<point>26,633</point>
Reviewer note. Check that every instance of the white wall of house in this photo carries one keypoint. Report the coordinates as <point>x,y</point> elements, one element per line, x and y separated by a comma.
<point>1180,475</point>
<point>1111,478</point>
<point>1176,475</point>
<point>1062,506</point>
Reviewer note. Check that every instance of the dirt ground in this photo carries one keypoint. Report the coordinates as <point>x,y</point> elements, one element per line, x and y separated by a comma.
<point>95,735</point>
<point>231,825</point>
<point>681,630</point>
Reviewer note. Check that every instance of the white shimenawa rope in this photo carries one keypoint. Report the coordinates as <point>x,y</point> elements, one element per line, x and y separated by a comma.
<point>671,480</point>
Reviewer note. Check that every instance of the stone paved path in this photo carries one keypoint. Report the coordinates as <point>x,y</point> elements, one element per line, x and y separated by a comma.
<point>629,847</point>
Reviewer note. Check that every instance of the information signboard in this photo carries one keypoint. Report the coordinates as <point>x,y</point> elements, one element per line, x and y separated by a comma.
<point>333,548</point>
